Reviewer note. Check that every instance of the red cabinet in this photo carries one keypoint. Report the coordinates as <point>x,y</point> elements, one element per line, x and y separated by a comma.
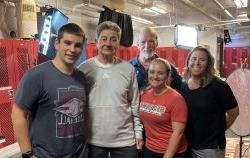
<point>176,56</point>
<point>16,56</point>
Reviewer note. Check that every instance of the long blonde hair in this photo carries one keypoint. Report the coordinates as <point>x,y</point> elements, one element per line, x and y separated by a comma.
<point>210,71</point>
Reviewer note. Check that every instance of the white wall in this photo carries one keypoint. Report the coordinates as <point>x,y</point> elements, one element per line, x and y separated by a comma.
<point>7,19</point>
<point>88,25</point>
<point>208,38</point>
<point>166,37</point>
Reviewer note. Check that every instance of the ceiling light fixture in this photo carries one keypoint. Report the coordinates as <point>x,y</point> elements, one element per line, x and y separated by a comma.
<point>222,7</point>
<point>151,11</point>
<point>229,14</point>
<point>141,20</point>
<point>243,15</point>
<point>157,9</point>
<point>241,3</point>
<point>164,26</point>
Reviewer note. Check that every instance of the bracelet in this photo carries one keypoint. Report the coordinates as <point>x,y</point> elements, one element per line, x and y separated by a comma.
<point>27,154</point>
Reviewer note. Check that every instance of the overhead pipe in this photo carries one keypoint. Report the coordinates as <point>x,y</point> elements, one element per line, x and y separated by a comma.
<point>223,8</point>
<point>193,6</point>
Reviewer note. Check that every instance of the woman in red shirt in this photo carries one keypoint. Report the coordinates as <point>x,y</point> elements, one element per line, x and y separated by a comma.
<point>163,112</point>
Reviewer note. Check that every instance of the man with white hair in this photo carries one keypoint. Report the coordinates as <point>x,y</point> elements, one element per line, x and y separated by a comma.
<point>148,42</point>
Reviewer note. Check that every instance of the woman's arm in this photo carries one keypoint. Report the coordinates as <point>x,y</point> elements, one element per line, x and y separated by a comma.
<point>178,129</point>
<point>231,116</point>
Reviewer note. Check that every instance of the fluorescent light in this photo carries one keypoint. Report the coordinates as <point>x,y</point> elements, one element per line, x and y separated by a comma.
<point>243,15</point>
<point>141,20</point>
<point>229,14</point>
<point>241,3</point>
<point>151,11</point>
<point>155,10</point>
<point>159,10</point>
<point>164,26</point>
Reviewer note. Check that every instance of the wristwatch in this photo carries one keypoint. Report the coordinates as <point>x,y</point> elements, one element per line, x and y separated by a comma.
<point>27,154</point>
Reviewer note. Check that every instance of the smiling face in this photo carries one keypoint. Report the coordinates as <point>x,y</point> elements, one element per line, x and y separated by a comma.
<point>147,43</point>
<point>198,63</point>
<point>69,48</point>
<point>107,42</point>
<point>158,75</point>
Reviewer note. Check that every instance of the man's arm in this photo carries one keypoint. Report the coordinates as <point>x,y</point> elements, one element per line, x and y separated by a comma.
<point>20,124</point>
<point>134,101</point>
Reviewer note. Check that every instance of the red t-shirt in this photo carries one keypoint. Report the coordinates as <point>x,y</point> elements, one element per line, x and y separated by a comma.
<point>157,113</point>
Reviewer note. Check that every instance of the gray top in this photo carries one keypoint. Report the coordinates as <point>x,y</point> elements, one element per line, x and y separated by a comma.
<point>113,102</point>
<point>57,103</point>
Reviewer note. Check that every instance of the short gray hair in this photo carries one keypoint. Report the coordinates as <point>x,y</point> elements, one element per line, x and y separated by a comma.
<point>108,25</point>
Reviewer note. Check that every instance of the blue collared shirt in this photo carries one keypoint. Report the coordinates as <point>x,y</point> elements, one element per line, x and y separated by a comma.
<point>142,75</point>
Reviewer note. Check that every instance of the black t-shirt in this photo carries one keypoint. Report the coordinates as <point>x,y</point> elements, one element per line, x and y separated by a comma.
<point>207,106</point>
